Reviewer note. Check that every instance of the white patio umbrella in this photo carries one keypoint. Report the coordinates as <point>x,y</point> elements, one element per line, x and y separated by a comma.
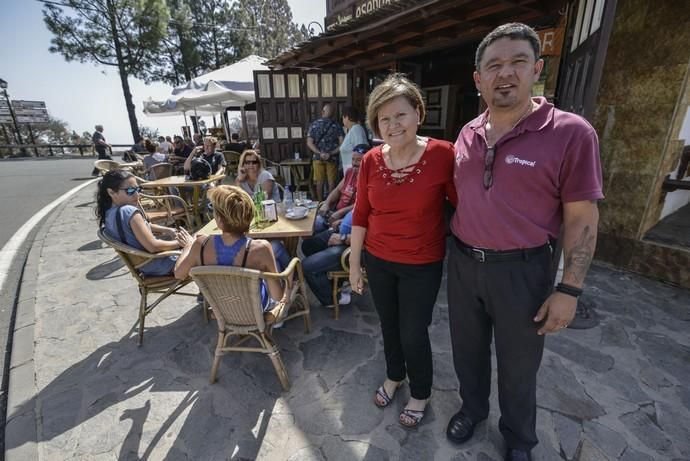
<point>230,86</point>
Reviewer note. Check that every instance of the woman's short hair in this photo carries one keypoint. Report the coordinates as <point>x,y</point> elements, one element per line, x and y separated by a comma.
<point>233,207</point>
<point>394,86</point>
<point>254,153</point>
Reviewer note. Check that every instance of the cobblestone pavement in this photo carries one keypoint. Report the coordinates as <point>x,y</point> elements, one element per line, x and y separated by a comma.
<point>81,388</point>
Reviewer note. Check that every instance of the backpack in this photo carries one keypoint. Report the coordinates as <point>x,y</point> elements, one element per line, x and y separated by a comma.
<point>199,169</point>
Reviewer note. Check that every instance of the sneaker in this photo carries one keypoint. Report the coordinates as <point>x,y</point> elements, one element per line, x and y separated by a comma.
<point>345,296</point>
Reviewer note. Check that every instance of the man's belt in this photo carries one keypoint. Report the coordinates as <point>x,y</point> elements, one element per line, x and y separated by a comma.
<point>484,255</point>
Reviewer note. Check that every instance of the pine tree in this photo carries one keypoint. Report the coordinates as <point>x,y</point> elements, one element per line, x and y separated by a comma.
<point>125,34</point>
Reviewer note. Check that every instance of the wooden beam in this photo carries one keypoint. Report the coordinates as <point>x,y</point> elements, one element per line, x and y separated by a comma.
<point>405,19</point>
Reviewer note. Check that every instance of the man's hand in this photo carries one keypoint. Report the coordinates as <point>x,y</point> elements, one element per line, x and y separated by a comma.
<point>557,312</point>
<point>336,216</point>
<point>324,156</point>
<point>334,240</point>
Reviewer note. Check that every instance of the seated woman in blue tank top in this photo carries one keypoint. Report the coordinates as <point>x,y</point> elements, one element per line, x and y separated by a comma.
<point>234,210</point>
<point>118,212</point>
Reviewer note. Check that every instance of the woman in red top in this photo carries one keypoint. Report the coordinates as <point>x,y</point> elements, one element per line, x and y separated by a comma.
<point>398,221</point>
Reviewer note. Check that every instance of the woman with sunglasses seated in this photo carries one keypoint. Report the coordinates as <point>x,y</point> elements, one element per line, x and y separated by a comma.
<point>251,175</point>
<point>118,212</point>
<point>233,210</point>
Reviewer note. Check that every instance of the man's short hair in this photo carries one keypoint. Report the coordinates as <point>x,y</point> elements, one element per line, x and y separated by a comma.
<point>235,136</point>
<point>352,113</point>
<point>393,86</point>
<point>98,127</point>
<point>513,31</point>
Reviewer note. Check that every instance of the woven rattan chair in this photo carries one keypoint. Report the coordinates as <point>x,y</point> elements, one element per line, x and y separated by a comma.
<point>341,275</point>
<point>166,210</point>
<point>161,170</point>
<point>103,166</point>
<point>164,285</point>
<point>233,294</point>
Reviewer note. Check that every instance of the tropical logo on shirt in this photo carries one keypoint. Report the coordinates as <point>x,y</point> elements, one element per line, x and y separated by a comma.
<point>514,160</point>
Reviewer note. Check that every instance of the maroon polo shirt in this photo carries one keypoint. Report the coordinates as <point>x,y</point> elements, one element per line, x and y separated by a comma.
<point>549,158</point>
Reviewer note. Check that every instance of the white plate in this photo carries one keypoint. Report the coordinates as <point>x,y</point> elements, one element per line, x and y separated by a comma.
<point>289,215</point>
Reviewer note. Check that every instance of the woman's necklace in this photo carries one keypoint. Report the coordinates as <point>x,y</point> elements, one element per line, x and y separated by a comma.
<point>527,112</point>
<point>398,174</point>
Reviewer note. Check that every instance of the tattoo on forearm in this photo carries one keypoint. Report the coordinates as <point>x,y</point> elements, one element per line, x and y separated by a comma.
<point>578,258</point>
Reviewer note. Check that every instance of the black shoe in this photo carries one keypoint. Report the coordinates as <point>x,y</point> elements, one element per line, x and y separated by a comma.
<point>460,428</point>
<point>514,454</point>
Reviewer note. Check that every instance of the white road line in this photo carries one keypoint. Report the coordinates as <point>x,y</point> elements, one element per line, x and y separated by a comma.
<point>10,249</point>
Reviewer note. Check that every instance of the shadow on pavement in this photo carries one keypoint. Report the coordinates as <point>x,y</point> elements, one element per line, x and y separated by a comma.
<point>104,270</point>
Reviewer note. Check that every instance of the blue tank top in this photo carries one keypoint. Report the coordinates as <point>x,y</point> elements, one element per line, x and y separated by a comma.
<point>225,256</point>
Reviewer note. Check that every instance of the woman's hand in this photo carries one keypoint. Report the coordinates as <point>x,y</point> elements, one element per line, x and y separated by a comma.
<point>241,174</point>
<point>183,237</point>
<point>356,281</point>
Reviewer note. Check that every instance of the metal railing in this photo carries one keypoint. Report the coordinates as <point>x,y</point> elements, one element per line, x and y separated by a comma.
<point>51,149</point>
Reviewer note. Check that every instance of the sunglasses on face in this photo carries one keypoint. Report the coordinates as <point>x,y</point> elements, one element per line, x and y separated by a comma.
<point>251,162</point>
<point>131,190</point>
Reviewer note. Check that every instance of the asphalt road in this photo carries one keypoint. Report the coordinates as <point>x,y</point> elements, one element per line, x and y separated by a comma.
<point>26,186</point>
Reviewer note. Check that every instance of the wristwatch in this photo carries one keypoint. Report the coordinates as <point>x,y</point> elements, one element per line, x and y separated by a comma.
<point>343,238</point>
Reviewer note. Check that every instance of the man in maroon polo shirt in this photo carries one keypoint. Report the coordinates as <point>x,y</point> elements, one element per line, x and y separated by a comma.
<point>523,168</point>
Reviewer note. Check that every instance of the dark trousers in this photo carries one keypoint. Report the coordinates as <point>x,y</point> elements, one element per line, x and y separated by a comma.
<point>320,259</point>
<point>405,295</point>
<point>500,298</point>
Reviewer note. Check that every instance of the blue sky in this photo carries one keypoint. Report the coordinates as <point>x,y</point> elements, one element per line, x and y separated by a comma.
<point>84,94</point>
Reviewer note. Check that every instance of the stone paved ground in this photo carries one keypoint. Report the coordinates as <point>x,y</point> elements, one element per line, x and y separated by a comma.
<point>616,392</point>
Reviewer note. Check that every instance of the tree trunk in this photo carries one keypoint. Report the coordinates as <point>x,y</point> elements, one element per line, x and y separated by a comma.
<point>122,70</point>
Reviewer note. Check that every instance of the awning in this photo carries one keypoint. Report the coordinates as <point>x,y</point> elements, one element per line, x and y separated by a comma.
<point>406,28</point>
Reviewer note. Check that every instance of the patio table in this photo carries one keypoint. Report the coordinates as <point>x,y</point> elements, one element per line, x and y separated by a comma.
<point>199,191</point>
<point>283,229</point>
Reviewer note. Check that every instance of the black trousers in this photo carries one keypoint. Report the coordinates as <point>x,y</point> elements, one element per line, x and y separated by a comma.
<point>499,298</point>
<point>405,295</point>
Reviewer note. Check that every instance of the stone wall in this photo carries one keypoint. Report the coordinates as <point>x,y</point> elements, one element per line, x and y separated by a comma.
<point>642,87</point>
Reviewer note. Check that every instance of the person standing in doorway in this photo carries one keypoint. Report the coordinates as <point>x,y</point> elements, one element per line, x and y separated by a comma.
<point>522,169</point>
<point>102,148</point>
<point>324,139</point>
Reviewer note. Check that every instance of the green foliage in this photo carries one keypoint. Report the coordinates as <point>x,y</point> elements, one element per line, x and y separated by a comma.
<point>120,33</point>
<point>126,34</point>
<point>148,132</point>
<point>269,28</point>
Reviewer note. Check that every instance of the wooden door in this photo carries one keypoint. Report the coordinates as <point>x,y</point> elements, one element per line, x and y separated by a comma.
<point>288,101</point>
<point>587,37</point>
<point>280,113</point>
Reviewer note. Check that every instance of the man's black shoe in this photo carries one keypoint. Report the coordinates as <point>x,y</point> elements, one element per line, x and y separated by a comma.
<point>460,428</point>
<point>518,455</point>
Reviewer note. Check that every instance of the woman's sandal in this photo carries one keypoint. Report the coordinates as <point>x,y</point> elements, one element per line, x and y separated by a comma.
<point>414,415</point>
<point>383,395</point>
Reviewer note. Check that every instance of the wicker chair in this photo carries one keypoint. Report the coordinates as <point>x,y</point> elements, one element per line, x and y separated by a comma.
<point>165,285</point>
<point>166,209</point>
<point>233,294</point>
<point>232,161</point>
<point>337,276</point>
<point>161,170</point>
<point>103,166</point>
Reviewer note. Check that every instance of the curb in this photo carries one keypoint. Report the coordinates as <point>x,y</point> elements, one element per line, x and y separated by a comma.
<point>21,386</point>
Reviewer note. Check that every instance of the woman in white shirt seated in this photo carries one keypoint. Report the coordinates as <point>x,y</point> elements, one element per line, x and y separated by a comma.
<point>251,175</point>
